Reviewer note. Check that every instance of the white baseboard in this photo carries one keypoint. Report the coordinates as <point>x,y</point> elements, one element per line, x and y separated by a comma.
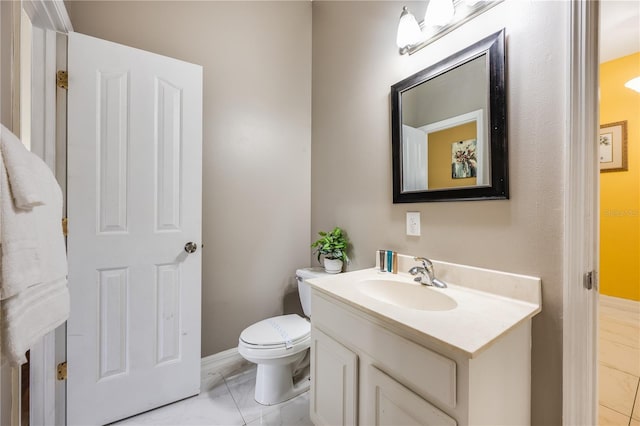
<point>619,303</point>
<point>222,362</point>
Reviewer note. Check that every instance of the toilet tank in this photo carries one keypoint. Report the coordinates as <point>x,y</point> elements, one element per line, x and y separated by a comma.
<point>304,291</point>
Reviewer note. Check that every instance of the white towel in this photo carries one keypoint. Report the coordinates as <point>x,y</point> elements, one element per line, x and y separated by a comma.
<point>19,164</point>
<point>34,298</point>
<point>33,249</point>
<point>19,254</point>
<point>31,314</point>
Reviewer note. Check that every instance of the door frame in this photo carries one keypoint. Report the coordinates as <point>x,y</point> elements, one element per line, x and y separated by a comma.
<point>51,22</point>
<point>581,218</point>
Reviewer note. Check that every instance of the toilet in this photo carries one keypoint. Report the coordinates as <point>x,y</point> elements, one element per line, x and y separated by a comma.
<point>280,347</point>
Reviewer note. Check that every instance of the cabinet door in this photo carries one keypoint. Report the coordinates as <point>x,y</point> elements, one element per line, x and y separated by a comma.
<point>334,382</point>
<point>390,403</point>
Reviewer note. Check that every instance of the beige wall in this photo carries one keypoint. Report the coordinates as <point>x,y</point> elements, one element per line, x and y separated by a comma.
<point>256,148</point>
<point>6,45</point>
<point>355,62</point>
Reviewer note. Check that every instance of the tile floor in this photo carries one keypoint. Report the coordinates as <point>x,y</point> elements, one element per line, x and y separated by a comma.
<point>227,399</point>
<point>619,358</point>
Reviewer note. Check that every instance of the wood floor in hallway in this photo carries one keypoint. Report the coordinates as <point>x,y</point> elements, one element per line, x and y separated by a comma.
<point>619,362</point>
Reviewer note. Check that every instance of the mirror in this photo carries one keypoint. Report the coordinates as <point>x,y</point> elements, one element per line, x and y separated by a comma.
<point>449,136</point>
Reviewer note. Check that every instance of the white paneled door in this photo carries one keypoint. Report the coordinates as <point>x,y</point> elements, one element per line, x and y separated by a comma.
<point>134,205</point>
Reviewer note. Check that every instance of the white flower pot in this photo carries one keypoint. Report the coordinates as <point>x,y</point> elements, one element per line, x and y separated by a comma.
<point>333,266</point>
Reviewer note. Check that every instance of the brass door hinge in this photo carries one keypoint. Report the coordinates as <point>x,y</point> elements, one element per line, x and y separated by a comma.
<point>63,80</point>
<point>62,371</point>
<point>65,227</point>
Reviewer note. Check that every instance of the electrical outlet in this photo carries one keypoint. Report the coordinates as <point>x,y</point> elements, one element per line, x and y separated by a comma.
<point>413,224</point>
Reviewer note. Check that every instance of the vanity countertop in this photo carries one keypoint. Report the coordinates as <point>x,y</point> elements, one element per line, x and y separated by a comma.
<point>489,303</point>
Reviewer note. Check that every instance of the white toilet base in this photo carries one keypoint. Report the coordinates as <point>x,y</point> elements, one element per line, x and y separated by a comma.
<point>275,383</point>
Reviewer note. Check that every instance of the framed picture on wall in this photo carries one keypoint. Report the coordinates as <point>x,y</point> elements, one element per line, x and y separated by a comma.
<point>613,147</point>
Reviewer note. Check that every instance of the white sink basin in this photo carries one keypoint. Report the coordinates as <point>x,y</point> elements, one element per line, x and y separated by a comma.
<point>407,295</point>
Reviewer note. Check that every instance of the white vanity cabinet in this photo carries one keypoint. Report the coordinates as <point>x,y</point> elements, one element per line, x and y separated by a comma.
<point>391,404</point>
<point>335,389</point>
<point>368,370</point>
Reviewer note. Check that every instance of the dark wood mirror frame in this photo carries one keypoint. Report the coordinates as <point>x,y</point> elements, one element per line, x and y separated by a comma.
<point>494,47</point>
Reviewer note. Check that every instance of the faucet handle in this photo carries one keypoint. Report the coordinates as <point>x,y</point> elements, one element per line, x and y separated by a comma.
<point>426,263</point>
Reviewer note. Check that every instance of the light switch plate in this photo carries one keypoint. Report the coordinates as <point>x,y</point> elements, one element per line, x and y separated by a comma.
<point>413,224</point>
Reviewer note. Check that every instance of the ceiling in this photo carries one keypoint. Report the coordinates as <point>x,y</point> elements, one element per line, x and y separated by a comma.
<point>619,28</point>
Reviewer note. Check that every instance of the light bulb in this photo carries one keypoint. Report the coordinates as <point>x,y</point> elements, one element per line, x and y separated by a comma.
<point>409,32</point>
<point>439,13</point>
<point>633,84</point>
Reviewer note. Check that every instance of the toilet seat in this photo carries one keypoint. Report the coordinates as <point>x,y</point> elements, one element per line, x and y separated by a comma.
<point>276,337</point>
<point>277,331</point>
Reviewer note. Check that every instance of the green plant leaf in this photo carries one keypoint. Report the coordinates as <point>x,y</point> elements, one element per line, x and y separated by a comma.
<point>332,244</point>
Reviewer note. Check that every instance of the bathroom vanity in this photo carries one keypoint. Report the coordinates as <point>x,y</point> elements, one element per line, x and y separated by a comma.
<point>388,351</point>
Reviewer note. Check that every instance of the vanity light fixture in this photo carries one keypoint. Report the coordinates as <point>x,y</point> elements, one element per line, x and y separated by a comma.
<point>441,17</point>
<point>633,84</point>
<point>409,32</point>
<point>439,13</point>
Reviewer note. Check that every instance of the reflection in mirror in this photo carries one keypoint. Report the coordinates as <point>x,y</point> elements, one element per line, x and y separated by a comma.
<point>444,144</point>
<point>449,128</point>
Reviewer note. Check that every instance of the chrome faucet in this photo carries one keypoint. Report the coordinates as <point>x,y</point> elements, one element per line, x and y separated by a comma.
<point>427,273</point>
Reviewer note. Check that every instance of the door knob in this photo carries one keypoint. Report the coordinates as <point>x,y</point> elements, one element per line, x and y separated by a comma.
<point>190,247</point>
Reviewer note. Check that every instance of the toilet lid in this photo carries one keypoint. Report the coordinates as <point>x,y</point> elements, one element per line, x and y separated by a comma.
<point>285,329</point>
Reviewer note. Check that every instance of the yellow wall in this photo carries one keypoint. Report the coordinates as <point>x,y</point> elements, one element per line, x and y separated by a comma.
<point>620,191</point>
<point>440,155</point>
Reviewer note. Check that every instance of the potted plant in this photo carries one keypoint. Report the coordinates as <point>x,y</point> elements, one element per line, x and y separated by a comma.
<point>333,246</point>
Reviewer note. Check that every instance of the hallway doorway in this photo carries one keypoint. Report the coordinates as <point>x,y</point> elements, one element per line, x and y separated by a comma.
<point>619,145</point>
